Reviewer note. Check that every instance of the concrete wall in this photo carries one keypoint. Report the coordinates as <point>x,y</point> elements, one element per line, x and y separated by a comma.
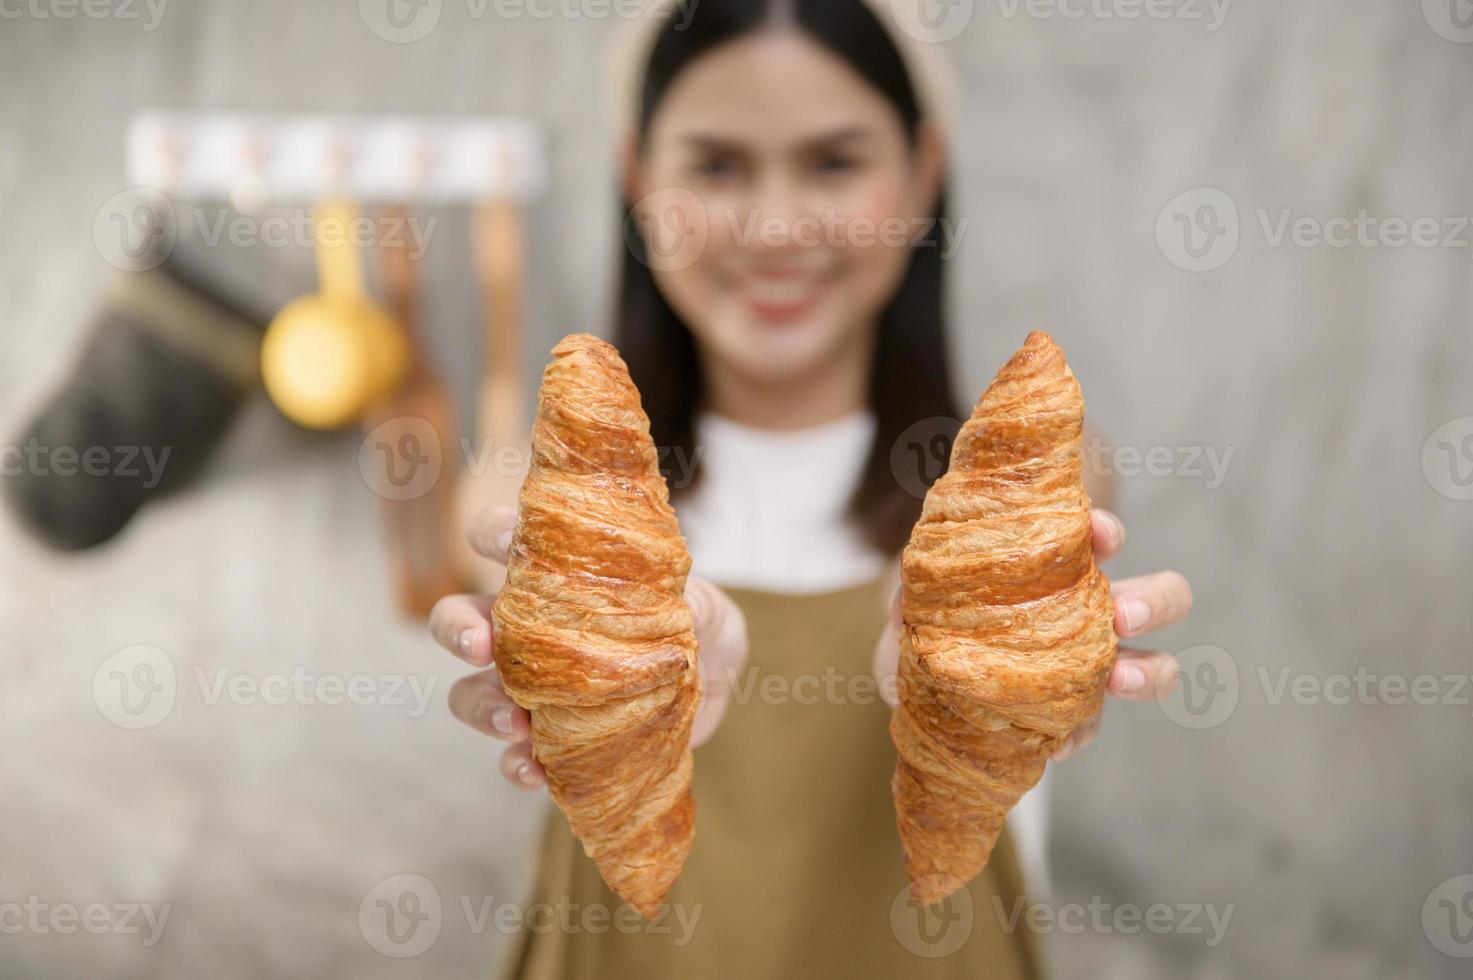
<point>1323,550</point>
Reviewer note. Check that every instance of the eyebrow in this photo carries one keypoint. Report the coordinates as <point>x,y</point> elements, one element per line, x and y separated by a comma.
<point>712,142</point>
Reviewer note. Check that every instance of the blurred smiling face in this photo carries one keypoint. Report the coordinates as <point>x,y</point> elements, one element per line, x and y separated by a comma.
<point>809,193</point>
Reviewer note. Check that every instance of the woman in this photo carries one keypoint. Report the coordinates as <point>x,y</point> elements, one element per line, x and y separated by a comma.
<point>780,359</point>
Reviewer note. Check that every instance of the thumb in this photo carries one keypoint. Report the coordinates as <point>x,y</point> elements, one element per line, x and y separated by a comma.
<point>720,627</point>
<point>490,533</point>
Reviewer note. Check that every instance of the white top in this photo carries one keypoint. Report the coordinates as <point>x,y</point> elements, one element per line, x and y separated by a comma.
<point>768,513</point>
<point>768,510</point>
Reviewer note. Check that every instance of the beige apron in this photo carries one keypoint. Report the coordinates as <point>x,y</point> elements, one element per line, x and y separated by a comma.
<point>796,868</point>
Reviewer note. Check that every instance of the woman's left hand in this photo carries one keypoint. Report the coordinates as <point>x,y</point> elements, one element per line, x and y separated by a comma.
<point>1142,604</point>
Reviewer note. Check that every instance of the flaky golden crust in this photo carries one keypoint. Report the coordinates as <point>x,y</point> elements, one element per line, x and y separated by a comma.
<point>593,634</point>
<point>1008,635</point>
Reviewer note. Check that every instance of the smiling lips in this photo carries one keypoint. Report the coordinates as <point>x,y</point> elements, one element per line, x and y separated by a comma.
<point>783,296</point>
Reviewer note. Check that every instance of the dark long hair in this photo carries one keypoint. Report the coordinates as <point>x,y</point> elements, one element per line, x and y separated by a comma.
<point>910,378</point>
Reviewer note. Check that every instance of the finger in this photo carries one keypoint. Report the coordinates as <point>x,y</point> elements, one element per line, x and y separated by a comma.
<point>520,769</point>
<point>490,533</point>
<point>1108,533</point>
<point>1143,675</point>
<point>1077,739</point>
<point>482,703</point>
<point>721,633</point>
<point>885,662</point>
<point>720,627</point>
<point>1149,602</point>
<point>462,625</point>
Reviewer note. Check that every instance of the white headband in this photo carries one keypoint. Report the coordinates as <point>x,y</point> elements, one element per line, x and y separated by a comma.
<point>931,74</point>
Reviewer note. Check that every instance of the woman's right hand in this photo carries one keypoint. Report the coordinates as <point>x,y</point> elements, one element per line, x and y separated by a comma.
<point>462,625</point>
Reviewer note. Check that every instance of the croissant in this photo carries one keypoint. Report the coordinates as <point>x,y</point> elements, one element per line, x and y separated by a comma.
<point>593,634</point>
<point>1008,627</point>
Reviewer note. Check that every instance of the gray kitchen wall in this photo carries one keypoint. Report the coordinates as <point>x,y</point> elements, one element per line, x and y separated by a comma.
<point>1289,412</point>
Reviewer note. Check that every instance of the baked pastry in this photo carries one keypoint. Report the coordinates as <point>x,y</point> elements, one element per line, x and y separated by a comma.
<point>1008,627</point>
<point>593,633</point>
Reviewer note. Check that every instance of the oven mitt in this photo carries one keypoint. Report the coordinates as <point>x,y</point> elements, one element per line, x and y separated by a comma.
<point>153,390</point>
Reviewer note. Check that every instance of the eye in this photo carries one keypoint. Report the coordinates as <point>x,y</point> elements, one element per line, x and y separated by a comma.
<point>717,167</point>
<point>836,162</point>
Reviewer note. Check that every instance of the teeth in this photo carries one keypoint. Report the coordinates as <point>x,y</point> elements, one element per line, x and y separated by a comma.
<point>778,292</point>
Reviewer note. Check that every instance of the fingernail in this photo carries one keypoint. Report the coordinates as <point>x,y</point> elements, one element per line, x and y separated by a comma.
<point>1132,678</point>
<point>1137,614</point>
<point>524,773</point>
<point>467,642</point>
<point>503,542</point>
<point>501,721</point>
<point>1118,530</point>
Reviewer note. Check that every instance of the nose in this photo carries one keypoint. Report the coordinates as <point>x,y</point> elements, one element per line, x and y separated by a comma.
<point>780,215</point>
